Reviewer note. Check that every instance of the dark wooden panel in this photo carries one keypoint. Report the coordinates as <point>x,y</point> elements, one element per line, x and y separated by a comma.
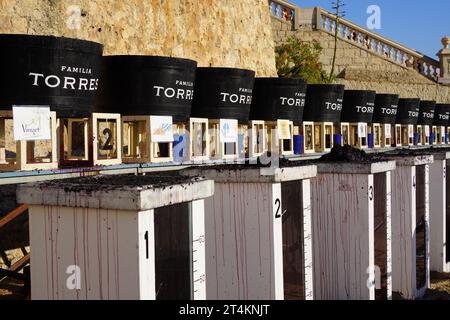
<point>380,232</point>
<point>293,244</point>
<point>420,233</point>
<point>172,253</point>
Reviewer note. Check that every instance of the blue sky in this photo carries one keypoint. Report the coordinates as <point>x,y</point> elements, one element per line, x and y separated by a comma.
<point>419,25</point>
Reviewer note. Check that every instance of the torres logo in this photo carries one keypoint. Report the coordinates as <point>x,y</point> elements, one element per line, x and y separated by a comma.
<point>366,109</point>
<point>297,101</point>
<point>176,93</point>
<point>244,97</point>
<point>413,114</point>
<point>334,106</point>
<point>390,111</point>
<point>428,115</point>
<point>66,82</point>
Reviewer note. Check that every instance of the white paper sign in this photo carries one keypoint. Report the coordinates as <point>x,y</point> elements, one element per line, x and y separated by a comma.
<point>362,132</point>
<point>284,129</point>
<point>387,131</point>
<point>443,132</point>
<point>411,131</point>
<point>31,123</point>
<point>427,131</point>
<point>228,131</point>
<point>161,128</point>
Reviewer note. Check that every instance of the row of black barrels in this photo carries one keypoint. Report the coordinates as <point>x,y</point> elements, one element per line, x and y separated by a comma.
<point>75,79</point>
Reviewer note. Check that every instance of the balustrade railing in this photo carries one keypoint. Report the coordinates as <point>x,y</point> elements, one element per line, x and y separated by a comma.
<point>378,45</point>
<point>283,10</point>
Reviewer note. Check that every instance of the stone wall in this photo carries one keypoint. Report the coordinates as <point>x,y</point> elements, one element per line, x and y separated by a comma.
<point>358,68</point>
<point>215,33</point>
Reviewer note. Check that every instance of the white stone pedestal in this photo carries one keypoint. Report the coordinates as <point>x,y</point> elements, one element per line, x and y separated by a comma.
<point>100,239</point>
<point>347,229</point>
<point>258,233</point>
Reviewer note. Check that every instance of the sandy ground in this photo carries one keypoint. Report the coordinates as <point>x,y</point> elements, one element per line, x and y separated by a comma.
<point>12,290</point>
<point>440,287</point>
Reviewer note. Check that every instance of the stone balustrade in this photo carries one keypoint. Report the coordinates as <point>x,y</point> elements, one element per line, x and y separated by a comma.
<point>283,10</point>
<point>377,44</point>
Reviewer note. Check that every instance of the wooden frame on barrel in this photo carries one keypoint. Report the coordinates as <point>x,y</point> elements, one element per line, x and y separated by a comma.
<point>435,132</point>
<point>285,146</point>
<point>387,135</point>
<point>112,134</point>
<point>357,140</point>
<point>440,135</point>
<point>141,149</point>
<point>324,135</point>
<point>257,139</point>
<point>425,136</point>
<point>217,148</point>
<point>198,139</point>
<point>308,134</point>
<point>345,133</point>
<point>25,159</point>
<point>407,135</point>
<point>419,129</point>
<point>68,156</point>
<point>396,130</point>
<point>375,130</point>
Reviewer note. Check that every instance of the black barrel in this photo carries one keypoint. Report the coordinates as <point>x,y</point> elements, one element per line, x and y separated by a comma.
<point>223,93</point>
<point>147,85</point>
<point>324,103</point>
<point>442,115</point>
<point>386,107</point>
<point>358,106</point>
<point>426,116</point>
<point>408,111</point>
<point>278,98</point>
<point>43,70</point>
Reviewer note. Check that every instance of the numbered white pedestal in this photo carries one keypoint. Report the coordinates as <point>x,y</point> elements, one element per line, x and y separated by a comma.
<point>410,226</point>
<point>439,261</point>
<point>112,238</point>
<point>351,231</point>
<point>258,234</point>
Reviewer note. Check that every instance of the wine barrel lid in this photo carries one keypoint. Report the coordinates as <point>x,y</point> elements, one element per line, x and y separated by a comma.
<point>44,70</point>
<point>386,107</point>
<point>324,103</point>
<point>223,93</point>
<point>408,111</point>
<point>147,85</point>
<point>278,98</point>
<point>358,106</point>
<point>426,116</point>
<point>442,115</point>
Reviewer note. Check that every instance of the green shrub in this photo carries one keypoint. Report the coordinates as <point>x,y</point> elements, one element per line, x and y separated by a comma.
<point>299,59</point>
